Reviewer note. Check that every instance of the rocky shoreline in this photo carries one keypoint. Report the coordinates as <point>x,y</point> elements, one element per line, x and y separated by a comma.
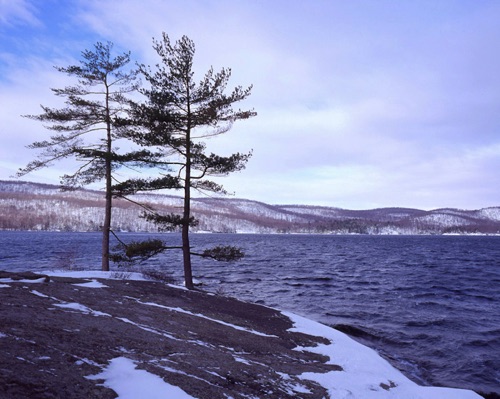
<point>49,347</point>
<point>57,335</point>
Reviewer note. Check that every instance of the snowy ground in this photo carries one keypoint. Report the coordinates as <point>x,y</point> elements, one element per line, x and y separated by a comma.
<point>362,374</point>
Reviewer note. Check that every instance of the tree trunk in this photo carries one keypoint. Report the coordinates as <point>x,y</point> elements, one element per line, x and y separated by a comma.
<point>106,227</point>
<point>107,220</point>
<point>186,251</point>
<point>186,247</point>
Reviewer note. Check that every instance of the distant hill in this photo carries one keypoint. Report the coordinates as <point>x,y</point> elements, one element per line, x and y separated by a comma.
<point>34,206</point>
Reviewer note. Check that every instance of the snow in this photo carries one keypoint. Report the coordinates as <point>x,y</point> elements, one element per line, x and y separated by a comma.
<point>146,328</point>
<point>4,285</point>
<point>39,294</point>
<point>92,284</point>
<point>87,361</point>
<point>128,382</point>
<point>180,310</point>
<point>33,201</point>
<point>490,213</point>
<point>241,360</point>
<point>81,308</point>
<point>293,387</point>
<point>9,280</point>
<point>444,219</point>
<point>365,374</point>
<point>96,274</point>
<point>172,370</point>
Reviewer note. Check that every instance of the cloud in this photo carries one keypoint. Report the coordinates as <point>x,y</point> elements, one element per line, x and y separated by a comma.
<point>360,104</point>
<point>17,12</point>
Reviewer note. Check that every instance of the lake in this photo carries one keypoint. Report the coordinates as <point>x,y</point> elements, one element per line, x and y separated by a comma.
<point>429,304</point>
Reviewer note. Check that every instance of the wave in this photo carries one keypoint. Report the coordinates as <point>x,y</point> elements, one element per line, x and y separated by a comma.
<point>309,278</point>
<point>427,323</point>
<point>354,331</point>
<point>363,334</point>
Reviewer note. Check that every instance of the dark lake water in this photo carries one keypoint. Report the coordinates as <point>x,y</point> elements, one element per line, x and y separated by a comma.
<point>429,304</point>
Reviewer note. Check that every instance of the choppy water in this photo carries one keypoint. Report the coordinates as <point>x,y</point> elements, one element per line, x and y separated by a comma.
<point>430,304</point>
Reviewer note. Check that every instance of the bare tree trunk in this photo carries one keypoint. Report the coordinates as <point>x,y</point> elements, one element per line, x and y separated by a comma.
<point>107,220</point>
<point>186,251</point>
<point>106,227</point>
<point>186,248</point>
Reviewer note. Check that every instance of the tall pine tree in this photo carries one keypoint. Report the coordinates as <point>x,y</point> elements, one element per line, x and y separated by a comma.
<point>88,126</point>
<point>178,114</point>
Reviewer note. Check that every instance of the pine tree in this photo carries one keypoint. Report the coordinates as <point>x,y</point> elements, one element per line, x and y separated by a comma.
<point>88,126</point>
<point>177,115</point>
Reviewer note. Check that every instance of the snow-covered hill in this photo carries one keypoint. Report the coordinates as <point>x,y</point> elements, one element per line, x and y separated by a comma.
<point>33,206</point>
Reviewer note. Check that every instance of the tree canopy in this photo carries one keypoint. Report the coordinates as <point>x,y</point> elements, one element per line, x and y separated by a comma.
<point>87,127</point>
<point>177,115</point>
<point>167,130</point>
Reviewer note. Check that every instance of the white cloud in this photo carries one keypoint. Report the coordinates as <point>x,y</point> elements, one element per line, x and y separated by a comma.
<point>13,12</point>
<point>359,104</point>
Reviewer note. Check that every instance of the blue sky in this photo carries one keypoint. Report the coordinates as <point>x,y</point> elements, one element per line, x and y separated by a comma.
<point>361,104</point>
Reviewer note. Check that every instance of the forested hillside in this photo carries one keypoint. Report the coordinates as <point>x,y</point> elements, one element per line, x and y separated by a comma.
<point>33,206</point>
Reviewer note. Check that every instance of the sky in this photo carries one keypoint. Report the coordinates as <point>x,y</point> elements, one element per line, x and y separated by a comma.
<point>361,104</point>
